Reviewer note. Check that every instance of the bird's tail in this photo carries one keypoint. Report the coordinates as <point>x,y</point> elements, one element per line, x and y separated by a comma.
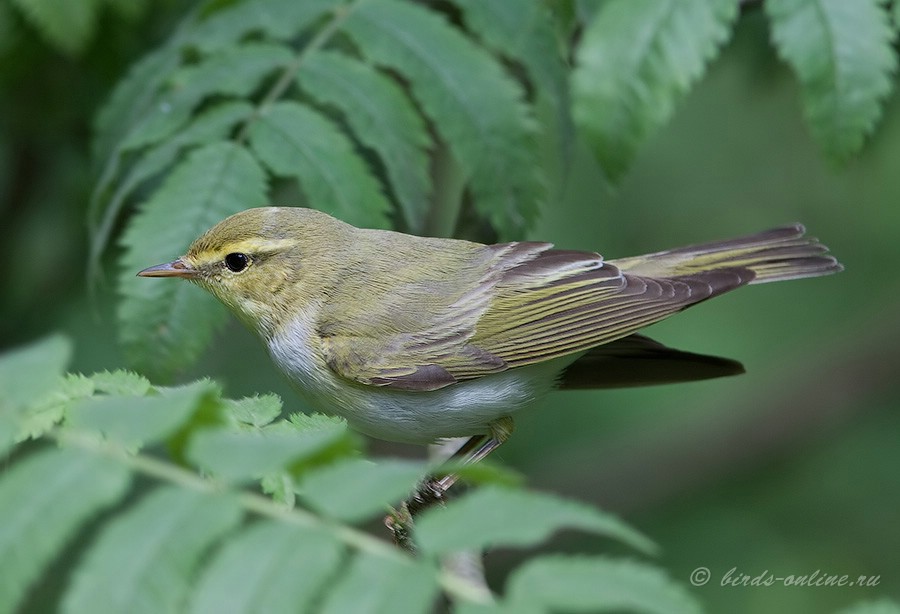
<point>774,255</point>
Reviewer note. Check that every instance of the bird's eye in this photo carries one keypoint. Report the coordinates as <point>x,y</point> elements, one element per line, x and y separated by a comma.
<point>237,262</point>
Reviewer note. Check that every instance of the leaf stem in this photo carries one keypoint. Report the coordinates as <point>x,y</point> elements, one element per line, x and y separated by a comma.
<point>449,188</point>
<point>455,586</point>
<point>339,15</point>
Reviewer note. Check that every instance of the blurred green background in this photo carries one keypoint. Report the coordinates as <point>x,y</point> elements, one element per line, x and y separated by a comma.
<point>788,469</point>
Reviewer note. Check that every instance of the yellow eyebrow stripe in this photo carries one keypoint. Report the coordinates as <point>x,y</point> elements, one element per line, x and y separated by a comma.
<point>253,245</point>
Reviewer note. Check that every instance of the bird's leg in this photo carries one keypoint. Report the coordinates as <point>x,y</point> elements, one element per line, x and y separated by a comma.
<point>500,430</point>
<point>432,489</point>
<point>472,451</point>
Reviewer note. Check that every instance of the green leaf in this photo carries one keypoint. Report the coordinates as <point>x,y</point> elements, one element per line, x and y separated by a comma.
<point>46,498</point>
<point>142,420</point>
<point>27,372</point>
<point>120,382</point>
<point>476,107</point>
<point>636,60</point>
<point>295,141</point>
<point>50,410</point>
<point>383,118</point>
<point>268,568</point>
<point>310,422</point>
<point>597,584</point>
<point>379,585</point>
<point>278,19</point>
<point>166,323</point>
<point>240,455</point>
<point>843,55</point>
<point>256,411</point>
<point>355,489</point>
<point>523,30</point>
<point>132,98</point>
<point>494,516</point>
<point>143,561</point>
<point>209,126</point>
<point>68,26</point>
<point>237,71</point>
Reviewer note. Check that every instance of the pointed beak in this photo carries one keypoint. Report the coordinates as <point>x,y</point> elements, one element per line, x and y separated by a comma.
<point>176,268</point>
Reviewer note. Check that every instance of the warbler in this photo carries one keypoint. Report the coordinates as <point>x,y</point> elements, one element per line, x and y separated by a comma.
<point>415,339</point>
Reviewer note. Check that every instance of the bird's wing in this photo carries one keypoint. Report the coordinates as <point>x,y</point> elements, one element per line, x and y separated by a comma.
<point>416,333</point>
<point>531,321</point>
<point>531,304</point>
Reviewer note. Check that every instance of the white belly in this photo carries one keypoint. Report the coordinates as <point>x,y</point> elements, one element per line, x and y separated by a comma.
<point>458,410</point>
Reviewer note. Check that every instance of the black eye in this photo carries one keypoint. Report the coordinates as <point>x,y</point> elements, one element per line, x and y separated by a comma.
<point>237,262</point>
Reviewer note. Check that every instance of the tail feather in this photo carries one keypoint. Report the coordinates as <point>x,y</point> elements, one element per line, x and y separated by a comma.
<point>773,255</point>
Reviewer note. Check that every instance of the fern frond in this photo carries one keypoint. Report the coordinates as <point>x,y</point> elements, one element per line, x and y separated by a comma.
<point>144,560</point>
<point>43,415</point>
<point>378,584</point>
<point>356,489</point>
<point>46,498</point>
<point>843,55</point>
<point>256,571</point>
<point>295,141</point>
<point>243,455</point>
<point>382,117</point>
<point>237,72</point>
<point>523,31</point>
<point>209,126</point>
<point>141,420</point>
<point>463,525</point>
<point>256,411</point>
<point>192,536</point>
<point>636,60</point>
<point>28,371</point>
<point>276,19</point>
<point>476,107</point>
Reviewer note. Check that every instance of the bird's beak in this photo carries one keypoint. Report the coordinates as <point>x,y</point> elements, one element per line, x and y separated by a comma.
<point>176,268</point>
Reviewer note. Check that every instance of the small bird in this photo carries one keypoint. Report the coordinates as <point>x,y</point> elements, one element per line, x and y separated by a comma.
<point>416,339</point>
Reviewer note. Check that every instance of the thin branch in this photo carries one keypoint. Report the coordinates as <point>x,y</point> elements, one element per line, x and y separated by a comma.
<point>339,15</point>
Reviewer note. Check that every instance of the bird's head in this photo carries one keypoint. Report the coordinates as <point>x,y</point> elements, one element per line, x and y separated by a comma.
<point>263,263</point>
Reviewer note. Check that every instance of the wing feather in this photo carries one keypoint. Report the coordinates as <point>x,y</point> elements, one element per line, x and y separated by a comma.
<point>603,305</point>
<point>530,304</point>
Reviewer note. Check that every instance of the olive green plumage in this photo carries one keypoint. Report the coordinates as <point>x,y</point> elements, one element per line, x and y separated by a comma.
<point>386,311</point>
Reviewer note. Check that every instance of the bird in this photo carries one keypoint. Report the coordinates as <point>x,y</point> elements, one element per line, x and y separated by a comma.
<point>418,339</point>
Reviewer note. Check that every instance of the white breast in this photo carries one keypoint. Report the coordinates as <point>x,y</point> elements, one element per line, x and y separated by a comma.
<point>458,410</point>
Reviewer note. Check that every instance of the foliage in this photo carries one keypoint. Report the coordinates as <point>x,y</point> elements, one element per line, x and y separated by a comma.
<point>175,472</point>
<point>843,55</point>
<point>639,58</point>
